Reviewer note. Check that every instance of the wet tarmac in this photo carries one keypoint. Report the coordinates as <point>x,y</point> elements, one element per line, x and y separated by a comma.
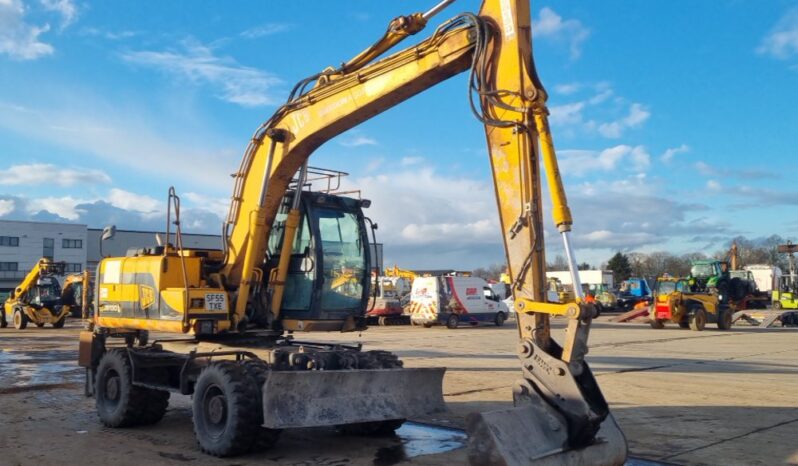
<point>416,439</point>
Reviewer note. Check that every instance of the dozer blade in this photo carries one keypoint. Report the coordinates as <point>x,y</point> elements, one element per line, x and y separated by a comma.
<point>535,433</point>
<point>328,398</point>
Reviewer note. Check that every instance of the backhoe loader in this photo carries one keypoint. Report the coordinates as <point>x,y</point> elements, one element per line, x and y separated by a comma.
<point>284,245</point>
<point>37,299</point>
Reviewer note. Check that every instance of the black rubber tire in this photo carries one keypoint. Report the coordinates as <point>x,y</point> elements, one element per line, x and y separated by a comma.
<point>599,309</point>
<point>427,325</point>
<point>40,324</point>
<point>725,320</point>
<point>225,409</point>
<point>3,321</point>
<point>20,319</point>
<point>264,438</point>
<point>684,324</point>
<point>499,319</point>
<point>453,321</point>
<point>59,323</point>
<point>657,323</point>
<point>382,321</point>
<point>698,319</point>
<point>119,402</point>
<point>777,305</point>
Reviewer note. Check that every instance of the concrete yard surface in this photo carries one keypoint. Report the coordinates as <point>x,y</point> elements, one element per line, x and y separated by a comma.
<point>681,397</point>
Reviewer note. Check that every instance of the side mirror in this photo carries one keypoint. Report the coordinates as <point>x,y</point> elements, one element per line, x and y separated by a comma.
<point>108,232</point>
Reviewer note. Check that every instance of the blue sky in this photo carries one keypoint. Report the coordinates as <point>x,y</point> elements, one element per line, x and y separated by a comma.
<point>675,121</point>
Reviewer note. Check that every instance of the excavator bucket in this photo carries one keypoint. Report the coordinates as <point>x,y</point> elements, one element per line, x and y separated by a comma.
<point>533,432</point>
<point>329,398</point>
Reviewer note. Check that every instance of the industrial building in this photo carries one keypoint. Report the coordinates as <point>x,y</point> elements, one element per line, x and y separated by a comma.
<point>23,243</point>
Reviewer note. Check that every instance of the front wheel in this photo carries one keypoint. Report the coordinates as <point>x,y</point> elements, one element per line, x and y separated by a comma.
<point>499,320</point>
<point>3,321</point>
<point>59,323</point>
<point>777,305</point>
<point>452,321</point>
<point>698,320</point>
<point>725,320</point>
<point>225,409</point>
<point>657,324</point>
<point>20,319</point>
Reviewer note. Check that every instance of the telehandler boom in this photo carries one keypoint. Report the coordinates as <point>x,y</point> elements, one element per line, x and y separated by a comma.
<point>284,246</point>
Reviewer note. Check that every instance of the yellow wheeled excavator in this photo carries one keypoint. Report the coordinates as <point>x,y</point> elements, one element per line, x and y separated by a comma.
<point>285,246</point>
<point>37,299</point>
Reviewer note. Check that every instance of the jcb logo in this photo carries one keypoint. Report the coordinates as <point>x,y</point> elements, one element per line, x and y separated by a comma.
<point>146,296</point>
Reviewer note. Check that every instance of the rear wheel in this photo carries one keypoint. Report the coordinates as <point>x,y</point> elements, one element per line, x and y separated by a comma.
<point>452,321</point>
<point>382,321</point>
<point>119,402</point>
<point>698,319</point>
<point>225,409</point>
<point>20,319</point>
<point>500,318</point>
<point>59,323</point>
<point>3,321</point>
<point>684,324</point>
<point>725,320</point>
<point>41,324</point>
<point>657,323</point>
<point>777,305</point>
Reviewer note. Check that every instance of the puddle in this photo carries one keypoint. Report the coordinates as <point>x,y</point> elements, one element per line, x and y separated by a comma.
<point>39,368</point>
<point>420,439</point>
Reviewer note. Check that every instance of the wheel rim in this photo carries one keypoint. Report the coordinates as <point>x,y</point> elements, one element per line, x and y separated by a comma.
<point>17,319</point>
<point>112,387</point>
<point>214,414</point>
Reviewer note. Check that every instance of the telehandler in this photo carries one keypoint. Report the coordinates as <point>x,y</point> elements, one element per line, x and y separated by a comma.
<point>241,307</point>
<point>38,298</point>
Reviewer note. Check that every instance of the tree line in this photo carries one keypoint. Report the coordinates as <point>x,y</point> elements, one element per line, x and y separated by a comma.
<point>655,264</point>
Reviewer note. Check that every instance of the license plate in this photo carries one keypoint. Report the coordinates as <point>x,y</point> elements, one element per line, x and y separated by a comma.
<point>215,302</point>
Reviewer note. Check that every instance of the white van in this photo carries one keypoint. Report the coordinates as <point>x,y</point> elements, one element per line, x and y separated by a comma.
<point>452,300</point>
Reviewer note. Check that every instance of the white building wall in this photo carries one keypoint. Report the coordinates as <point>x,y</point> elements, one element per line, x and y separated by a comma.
<point>31,246</point>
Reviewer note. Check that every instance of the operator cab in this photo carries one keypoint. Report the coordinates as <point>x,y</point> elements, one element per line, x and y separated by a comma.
<point>46,293</point>
<point>327,287</point>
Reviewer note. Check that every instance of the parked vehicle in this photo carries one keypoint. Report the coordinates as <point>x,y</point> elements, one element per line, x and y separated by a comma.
<point>451,301</point>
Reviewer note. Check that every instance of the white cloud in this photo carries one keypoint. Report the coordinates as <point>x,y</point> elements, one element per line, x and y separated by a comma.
<point>782,41</point>
<point>358,141</point>
<point>6,206</point>
<point>120,135</point>
<point>568,88</point>
<point>668,155</point>
<point>238,84</point>
<point>47,174</point>
<point>265,30</point>
<point>65,207</point>
<point>550,24</point>
<point>585,162</point>
<point>567,114</point>
<point>637,115</point>
<point>19,39</point>
<point>65,8</point>
<point>713,185</point>
<point>408,161</point>
<point>217,205</point>
<point>132,201</point>
<point>110,35</point>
